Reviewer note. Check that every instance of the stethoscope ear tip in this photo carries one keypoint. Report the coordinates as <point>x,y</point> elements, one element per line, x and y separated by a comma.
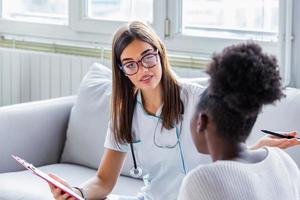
<point>136,172</point>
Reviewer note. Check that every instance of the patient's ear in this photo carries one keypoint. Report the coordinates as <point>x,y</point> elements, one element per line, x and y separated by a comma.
<point>202,122</point>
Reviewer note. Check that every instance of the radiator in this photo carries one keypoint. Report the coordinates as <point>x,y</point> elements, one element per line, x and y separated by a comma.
<point>31,76</point>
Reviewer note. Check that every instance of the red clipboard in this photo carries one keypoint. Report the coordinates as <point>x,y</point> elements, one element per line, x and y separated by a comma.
<point>46,177</point>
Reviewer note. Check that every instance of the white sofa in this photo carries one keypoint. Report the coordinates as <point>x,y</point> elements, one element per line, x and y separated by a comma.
<point>65,136</point>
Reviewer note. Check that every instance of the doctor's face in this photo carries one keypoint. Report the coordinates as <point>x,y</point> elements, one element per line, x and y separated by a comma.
<point>141,64</point>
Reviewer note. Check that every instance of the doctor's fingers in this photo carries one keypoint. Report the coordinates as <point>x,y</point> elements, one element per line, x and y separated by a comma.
<point>63,197</point>
<point>58,195</point>
<point>66,197</point>
<point>54,190</point>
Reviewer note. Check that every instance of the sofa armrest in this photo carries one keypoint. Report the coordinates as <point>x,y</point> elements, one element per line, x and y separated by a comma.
<point>35,131</point>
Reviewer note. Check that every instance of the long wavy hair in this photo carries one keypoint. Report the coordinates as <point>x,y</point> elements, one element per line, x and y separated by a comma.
<point>124,91</point>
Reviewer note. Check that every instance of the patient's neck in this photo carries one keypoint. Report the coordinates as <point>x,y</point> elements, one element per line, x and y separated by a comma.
<point>221,149</point>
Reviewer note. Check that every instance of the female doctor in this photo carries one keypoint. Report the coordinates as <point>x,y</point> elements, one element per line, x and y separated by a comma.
<point>150,116</point>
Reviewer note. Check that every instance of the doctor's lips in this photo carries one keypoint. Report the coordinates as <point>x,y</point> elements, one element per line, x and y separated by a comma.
<point>281,135</point>
<point>146,77</point>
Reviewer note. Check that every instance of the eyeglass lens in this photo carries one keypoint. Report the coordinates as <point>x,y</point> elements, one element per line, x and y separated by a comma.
<point>147,61</point>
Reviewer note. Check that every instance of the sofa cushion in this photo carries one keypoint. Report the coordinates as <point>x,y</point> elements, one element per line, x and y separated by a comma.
<point>89,119</point>
<point>24,185</point>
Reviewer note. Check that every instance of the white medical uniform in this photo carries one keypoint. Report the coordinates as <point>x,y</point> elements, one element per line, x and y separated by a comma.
<point>163,168</point>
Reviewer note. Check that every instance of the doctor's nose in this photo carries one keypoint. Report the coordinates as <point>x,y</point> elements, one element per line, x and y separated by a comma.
<point>144,69</point>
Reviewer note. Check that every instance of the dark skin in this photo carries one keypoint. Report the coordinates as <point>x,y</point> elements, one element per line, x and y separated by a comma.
<point>209,141</point>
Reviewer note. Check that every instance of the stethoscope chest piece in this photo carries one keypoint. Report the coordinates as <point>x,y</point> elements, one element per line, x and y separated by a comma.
<point>136,172</point>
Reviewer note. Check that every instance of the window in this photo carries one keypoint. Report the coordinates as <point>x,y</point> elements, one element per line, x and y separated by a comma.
<point>187,27</point>
<point>255,19</point>
<point>38,11</point>
<point>105,16</point>
<point>120,10</point>
<point>172,19</point>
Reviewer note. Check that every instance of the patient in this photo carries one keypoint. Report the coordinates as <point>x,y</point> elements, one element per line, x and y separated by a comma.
<point>243,79</point>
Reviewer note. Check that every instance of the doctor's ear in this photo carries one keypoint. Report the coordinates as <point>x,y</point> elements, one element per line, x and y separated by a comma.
<point>201,122</point>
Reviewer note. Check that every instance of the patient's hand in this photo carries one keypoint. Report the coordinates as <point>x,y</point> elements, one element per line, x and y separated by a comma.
<point>273,141</point>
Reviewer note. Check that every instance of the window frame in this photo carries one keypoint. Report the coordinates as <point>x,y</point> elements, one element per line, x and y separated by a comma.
<point>54,16</point>
<point>82,24</point>
<point>282,48</point>
<point>178,40</point>
<point>79,29</point>
<point>0,9</point>
<point>79,23</point>
<point>285,39</point>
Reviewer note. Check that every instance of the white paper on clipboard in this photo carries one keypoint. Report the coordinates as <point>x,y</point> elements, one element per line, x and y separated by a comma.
<point>46,177</point>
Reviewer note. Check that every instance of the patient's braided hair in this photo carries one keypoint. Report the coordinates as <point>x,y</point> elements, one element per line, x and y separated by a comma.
<point>242,79</point>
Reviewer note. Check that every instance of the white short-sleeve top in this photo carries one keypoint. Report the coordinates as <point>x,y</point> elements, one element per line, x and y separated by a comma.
<point>163,168</point>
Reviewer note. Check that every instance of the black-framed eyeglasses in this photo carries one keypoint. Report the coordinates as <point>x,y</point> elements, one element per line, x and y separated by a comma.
<point>149,60</point>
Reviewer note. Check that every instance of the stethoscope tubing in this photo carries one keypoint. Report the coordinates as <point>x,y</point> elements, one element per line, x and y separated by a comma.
<point>137,171</point>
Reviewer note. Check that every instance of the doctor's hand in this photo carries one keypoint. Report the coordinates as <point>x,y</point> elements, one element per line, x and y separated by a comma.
<point>58,194</point>
<point>273,141</point>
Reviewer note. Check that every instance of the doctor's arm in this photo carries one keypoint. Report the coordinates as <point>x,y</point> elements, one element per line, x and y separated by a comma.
<point>103,182</point>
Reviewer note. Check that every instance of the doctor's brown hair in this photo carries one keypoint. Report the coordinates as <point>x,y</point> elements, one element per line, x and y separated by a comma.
<point>124,92</point>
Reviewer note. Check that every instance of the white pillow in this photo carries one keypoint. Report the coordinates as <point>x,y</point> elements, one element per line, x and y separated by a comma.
<point>89,119</point>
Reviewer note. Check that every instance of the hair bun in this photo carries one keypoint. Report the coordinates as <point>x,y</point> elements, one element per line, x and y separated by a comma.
<point>245,77</point>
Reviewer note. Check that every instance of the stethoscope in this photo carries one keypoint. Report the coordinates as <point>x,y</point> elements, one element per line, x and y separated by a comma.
<point>137,171</point>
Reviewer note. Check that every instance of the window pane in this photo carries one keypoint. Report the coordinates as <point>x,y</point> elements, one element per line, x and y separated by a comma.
<point>231,18</point>
<point>40,11</point>
<point>120,10</point>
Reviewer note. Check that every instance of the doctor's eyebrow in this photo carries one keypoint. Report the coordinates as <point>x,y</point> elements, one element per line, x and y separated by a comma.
<point>143,53</point>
